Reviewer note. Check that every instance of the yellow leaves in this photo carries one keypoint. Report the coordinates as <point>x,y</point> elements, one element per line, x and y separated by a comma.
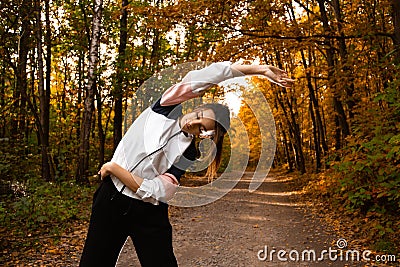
<point>298,72</point>
<point>247,116</point>
<point>55,251</point>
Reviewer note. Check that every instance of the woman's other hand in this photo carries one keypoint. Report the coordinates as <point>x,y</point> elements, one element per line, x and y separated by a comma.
<point>106,169</point>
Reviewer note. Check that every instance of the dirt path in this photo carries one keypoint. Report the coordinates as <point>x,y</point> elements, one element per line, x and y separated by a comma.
<point>233,230</point>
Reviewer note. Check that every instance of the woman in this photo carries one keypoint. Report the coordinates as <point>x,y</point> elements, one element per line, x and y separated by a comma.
<point>146,167</point>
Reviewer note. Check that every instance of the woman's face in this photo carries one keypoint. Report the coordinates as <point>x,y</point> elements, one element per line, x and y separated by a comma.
<point>197,121</point>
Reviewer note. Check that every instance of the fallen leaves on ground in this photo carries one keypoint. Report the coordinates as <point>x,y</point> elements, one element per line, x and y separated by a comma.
<point>45,250</point>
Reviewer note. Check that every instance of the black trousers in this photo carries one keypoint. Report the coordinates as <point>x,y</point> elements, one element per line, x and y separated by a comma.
<point>114,218</point>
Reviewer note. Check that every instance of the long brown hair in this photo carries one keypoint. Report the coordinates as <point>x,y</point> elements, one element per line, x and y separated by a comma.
<point>222,125</point>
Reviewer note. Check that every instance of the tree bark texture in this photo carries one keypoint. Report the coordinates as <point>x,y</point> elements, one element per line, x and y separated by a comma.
<point>44,99</point>
<point>118,91</point>
<point>83,160</point>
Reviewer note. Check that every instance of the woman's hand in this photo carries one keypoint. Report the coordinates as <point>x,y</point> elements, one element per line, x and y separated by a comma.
<point>132,181</point>
<point>276,75</point>
<point>106,169</point>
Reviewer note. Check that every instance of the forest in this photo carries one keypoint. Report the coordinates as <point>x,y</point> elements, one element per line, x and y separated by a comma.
<point>70,69</point>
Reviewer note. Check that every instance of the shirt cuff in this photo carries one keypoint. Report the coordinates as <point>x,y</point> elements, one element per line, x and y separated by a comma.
<point>162,188</point>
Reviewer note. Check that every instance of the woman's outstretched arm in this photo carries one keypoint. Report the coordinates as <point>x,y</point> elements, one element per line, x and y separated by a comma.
<point>197,82</point>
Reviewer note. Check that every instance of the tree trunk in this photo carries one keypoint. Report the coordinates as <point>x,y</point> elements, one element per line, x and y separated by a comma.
<point>118,91</point>
<point>286,149</point>
<point>343,129</point>
<point>48,81</point>
<point>155,51</point>
<point>102,135</point>
<point>317,147</point>
<point>63,104</point>
<point>396,26</point>
<point>294,130</point>
<point>48,65</point>
<point>3,121</point>
<point>20,92</point>
<point>318,133</point>
<point>347,70</point>
<point>44,103</point>
<point>80,91</point>
<point>291,118</point>
<point>83,157</point>
<point>313,109</point>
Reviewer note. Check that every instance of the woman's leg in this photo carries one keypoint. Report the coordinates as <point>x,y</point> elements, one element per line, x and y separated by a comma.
<point>152,235</point>
<point>107,232</point>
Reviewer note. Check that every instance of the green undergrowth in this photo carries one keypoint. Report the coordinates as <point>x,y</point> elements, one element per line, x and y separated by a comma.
<point>42,210</point>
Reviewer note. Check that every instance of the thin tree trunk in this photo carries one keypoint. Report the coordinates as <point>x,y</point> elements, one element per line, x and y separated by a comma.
<point>349,84</point>
<point>155,53</point>
<point>3,121</point>
<point>317,147</point>
<point>286,148</point>
<point>20,92</point>
<point>102,135</point>
<point>44,103</point>
<point>48,81</point>
<point>342,125</point>
<point>396,26</point>
<point>83,158</point>
<point>313,106</point>
<point>118,91</point>
<point>294,131</point>
<point>295,125</point>
<point>318,116</point>
<point>80,90</point>
<point>63,93</point>
<point>318,133</point>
